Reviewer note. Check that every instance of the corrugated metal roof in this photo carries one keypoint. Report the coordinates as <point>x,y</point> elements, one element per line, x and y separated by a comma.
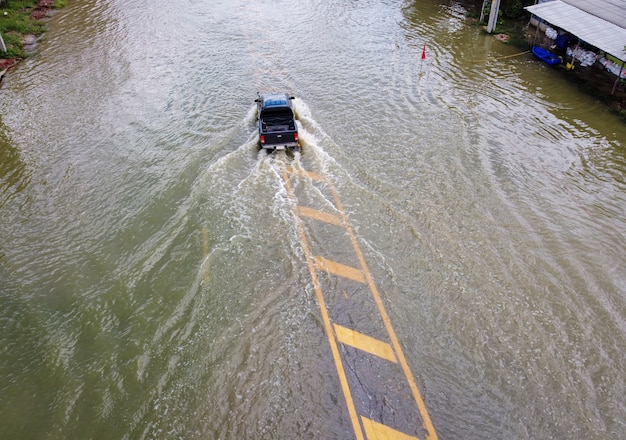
<point>593,30</point>
<point>613,11</point>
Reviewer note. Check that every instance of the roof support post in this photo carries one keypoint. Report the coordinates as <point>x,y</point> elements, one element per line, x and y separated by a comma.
<point>536,34</point>
<point>619,76</point>
<point>493,15</point>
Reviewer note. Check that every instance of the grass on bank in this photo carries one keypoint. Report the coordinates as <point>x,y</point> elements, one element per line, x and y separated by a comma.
<point>16,22</point>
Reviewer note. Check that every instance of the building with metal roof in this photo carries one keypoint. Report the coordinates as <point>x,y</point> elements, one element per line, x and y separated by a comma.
<point>613,11</point>
<point>601,23</point>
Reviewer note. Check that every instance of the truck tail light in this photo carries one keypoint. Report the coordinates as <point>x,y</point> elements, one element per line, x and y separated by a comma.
<point>262,138</point>
<point>295,137</point>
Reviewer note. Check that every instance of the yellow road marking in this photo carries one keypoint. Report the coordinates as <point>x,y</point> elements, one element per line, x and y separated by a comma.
<point>365,343</point>
<point>374,430</point>
<point>427,423</point>
<point>320,215</point>
<point>358,432</point>
<point>378,431</point>
<point>340,269</point>
<point>317,177</point>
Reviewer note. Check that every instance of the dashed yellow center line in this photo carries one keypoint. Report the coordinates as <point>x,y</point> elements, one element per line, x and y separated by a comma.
<point>334,348</point>
<point>320,215</point>
<point>378,431</point>
<point>315,176</point>
<point>427,423</point>
<point>340,269</point>
<point>338,334</point>
<point>335,333</point>
<point>365,343</point>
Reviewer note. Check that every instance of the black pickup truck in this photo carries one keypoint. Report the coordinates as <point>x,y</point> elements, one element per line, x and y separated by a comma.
<point>277,123</point>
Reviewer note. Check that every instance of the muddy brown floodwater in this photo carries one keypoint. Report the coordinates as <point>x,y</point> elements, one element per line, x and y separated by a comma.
<point>159,278</point>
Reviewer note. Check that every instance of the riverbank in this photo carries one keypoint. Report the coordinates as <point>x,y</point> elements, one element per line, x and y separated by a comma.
<point>593,80</point>
<point>21,26</point>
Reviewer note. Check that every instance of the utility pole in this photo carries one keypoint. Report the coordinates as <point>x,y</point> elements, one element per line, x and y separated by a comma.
<point>493,15</point>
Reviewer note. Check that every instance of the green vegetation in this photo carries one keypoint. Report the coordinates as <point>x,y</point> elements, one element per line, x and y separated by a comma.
<point>16,20</point>
<point>514,9</point>
<point>509,14</point>
<point>513,22</point>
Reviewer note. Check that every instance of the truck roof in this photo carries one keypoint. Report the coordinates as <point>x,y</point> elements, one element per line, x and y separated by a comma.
<point>273,100</point>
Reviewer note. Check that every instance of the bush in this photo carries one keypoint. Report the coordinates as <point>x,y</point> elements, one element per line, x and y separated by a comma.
<point>514,8</point>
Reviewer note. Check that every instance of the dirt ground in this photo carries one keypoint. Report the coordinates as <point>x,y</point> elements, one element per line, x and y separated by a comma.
<point>42,9</point>
<point>6,63</point>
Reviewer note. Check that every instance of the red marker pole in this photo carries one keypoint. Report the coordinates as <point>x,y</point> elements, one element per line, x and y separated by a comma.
<point>423,59</point>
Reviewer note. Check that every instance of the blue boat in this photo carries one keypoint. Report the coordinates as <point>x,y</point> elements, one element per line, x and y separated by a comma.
<point>546,57</point>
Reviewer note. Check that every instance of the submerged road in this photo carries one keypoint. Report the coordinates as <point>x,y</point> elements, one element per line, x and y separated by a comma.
<point>444,260</point>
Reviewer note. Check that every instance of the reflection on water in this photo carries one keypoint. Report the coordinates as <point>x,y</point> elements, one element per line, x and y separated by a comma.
<point>14,175</point>
<point>152,284</point>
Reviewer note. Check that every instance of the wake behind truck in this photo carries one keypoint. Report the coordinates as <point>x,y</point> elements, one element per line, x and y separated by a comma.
<point>277,122</point>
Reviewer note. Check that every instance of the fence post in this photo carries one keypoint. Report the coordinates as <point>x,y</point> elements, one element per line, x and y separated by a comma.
<point>3,47</point>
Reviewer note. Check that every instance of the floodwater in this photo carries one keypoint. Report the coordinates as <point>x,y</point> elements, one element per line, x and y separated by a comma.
<point>153,282</point>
